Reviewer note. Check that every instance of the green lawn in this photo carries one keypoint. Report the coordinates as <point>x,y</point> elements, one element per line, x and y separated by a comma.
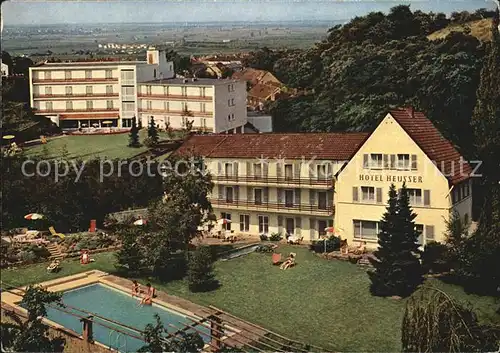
<point>92,146</point>
<point>326,303</point>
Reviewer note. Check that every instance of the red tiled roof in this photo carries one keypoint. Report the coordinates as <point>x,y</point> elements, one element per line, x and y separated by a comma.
<point>249,74</point>
<point>262,91</point>
<point>329,146</point>
<point>433,144</point>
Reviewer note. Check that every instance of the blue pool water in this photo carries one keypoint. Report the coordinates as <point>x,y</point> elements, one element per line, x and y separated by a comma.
<point>117,306</point>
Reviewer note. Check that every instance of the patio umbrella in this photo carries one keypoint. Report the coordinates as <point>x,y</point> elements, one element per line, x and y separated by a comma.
<point>140,222</point>
<point>222,221</point>
<point>33,216</point>
<point>329,229</point>
<point>107,122</point>
<point>8,137</point>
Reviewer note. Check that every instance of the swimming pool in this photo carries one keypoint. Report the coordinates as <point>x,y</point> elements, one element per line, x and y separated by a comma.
<point>118,306</point>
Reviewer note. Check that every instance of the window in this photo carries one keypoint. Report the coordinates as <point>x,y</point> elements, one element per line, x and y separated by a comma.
<point>229,117</point>
<point>429,233</point>
<point>289,198</point>
<point>466,190</point>
<point>154,73</point>
<point>166,121</point>
<point>69,105</point>
<point>232,117</point>
<point>403,161</point>
<point>109,104</point>
<point>366,229</point>
<point>203,123</point>
<point>229,194</point>
<point>228,102</point>
<point>184,106</point>
<point>203,107</point>
<point>426,233</point>
<point>322,200</point>
<point>232,101</point>
<point>166,106</point>
<point>90,105</point>
<point>244,223</point>
<point>48,91</point>
<point>165,90</point>
<point>149,105</point>
<point>48,106</point>
<point>148,89</point>
<point>48,75</point>
<point>257,170</point>
<point>184,91</point>
<point>109,74</point>
<point>88,74</point>
<point>321,172</point>
<point>376,161</point>
<point>109,89</point>
<point>69,90</point>
<point>228,169</point>
<point>288,171</point>
<point>88,89</point>
<point>67,75</point>
<point>203,91</point>
<point>128,107</point>
<point>263,224</point>
<point>415,196</point>
<point>227,216</point>
<point>258,196</point>
<point>128,91</point>
<point>367,193</point>
<point>127,75</point>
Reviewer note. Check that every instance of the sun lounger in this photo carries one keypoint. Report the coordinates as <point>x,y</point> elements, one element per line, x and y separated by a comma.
<point>277,259</point>
<point>55,234</point>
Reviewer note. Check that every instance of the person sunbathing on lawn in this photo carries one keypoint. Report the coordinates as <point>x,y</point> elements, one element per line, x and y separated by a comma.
<point>290,261</point>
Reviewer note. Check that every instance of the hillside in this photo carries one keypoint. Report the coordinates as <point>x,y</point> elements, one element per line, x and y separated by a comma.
<point>480,29</point>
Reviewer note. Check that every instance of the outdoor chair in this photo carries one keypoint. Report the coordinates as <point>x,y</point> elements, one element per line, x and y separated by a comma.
<point>55,234</point>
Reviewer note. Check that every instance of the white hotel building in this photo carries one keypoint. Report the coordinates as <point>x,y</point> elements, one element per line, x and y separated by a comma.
<point>112,93</point>
<point>302,183</point>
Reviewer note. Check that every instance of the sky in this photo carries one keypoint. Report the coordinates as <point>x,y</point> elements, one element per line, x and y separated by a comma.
<point>37,12</point>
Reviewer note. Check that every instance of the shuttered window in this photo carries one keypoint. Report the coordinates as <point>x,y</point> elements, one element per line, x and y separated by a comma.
<point>427,197</point>
<point>379,195</point>
<point>298,225</point>
<point>429,233</point>
<point>355,196</point>
<point>413,162</point>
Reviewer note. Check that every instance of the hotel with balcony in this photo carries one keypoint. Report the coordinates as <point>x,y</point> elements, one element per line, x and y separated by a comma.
<point>113,93</point>
<point>302,183</point>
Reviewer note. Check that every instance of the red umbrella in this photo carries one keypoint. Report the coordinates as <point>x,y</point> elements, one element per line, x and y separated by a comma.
<point>140,222</point>
<point>329,230</point>
<point>33,216</point>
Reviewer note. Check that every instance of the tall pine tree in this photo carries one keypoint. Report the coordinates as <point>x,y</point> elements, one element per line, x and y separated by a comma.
<point>153,132</point>
<point>133,137</point>
<point>397,268</point>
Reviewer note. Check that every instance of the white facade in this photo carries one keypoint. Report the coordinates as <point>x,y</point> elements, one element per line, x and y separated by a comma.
<point>111,94</point>
<point>84,94</point>
<point>211,105</point>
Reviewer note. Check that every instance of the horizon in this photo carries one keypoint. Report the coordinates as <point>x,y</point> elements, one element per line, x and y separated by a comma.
<point>114,12</point>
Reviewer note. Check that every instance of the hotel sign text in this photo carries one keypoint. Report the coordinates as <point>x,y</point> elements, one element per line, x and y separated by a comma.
<point>391,178</point>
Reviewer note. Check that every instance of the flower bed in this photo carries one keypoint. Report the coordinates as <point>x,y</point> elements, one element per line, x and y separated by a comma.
<point>19,253</point>
<point>91,241</point>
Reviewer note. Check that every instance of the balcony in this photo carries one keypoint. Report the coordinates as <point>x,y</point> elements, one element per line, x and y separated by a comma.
<point>65,81</point>
<point>175,97</point>
<point>75,96</point>
<point>255,179</point>
<point>83,110</point>
<point>175,112</point>
<point>279,207</point>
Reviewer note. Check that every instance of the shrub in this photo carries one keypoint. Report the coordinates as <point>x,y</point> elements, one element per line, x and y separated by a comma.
<point>27,256</point>
<point>275,237</point>
<point>435,258</point>
<point>148,142</point>
<point>264,248</point>
<point>263,237</point>
<point>200,270</point>
<point>332,244</point>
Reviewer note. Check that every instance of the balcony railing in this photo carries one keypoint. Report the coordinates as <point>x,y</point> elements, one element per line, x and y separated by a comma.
<point>175,96</point>
<point>175,112</point>
<point>76,95</point>
<point>74,80</point>
<point>83,110</point>
<point>273,206</point>
<point>313,181</point>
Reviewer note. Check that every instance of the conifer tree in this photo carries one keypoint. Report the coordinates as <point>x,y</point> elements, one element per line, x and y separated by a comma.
<point>153,132</point>
<point>397,268</point>
<point>134,135</point>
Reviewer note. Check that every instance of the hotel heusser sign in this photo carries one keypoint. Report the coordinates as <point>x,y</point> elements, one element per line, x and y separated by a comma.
<point>391,178</point>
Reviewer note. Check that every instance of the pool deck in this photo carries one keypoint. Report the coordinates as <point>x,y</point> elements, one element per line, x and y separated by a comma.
<point>251,332</point>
